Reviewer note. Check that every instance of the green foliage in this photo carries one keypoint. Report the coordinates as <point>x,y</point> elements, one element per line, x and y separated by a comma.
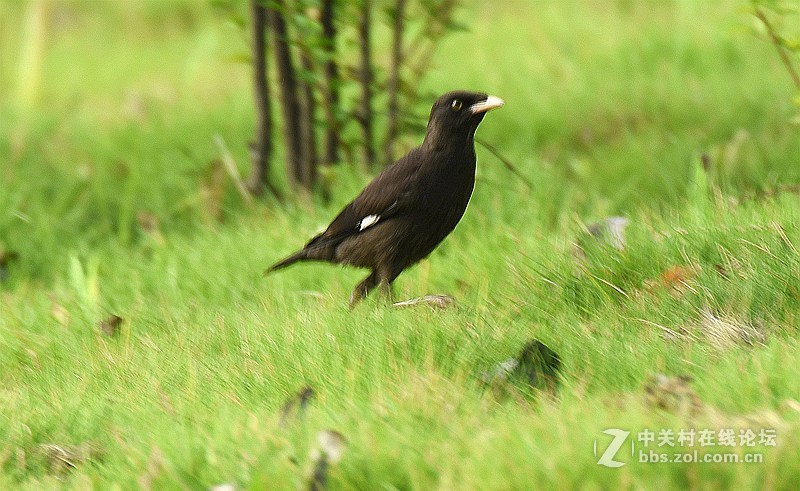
<point>778,21</point>
<point>427,23</point>
<point>106,188</point>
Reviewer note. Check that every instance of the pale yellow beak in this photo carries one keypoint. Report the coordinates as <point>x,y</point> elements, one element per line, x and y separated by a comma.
<point>490,103</point>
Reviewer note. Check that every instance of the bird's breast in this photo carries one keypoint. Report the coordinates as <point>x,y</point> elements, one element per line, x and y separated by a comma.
<point>447,196</point>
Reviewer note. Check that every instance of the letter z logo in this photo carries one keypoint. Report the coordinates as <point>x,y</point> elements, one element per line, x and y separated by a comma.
<point>607,459</point>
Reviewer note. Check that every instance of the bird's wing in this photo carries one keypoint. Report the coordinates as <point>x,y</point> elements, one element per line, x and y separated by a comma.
<point>386,197</point>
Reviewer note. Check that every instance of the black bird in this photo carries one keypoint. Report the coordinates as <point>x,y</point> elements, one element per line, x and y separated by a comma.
<point>410,207</point>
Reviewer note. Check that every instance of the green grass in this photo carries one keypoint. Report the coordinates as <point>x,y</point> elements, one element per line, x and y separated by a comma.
<point>609,105</point>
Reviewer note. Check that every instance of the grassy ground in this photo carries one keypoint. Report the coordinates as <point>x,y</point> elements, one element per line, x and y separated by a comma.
<point>106,198</point>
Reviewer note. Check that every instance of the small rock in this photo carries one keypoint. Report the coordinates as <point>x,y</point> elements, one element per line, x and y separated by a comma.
<point>501,371</point>
<point>329,452</point>
<point>332,443</point>
<point>295,405</point>
<point>111,325</point>
<point>610,230</point>
<point>536,365</point>
<point>672,394</point>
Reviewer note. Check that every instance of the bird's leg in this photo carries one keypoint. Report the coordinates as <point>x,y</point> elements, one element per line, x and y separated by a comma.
<point>386,276</point>
<point>362,289</point>
<point>386,290</point>
<point>387,293</point>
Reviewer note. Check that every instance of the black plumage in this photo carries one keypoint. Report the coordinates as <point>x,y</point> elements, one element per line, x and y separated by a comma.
<point>410,207</point>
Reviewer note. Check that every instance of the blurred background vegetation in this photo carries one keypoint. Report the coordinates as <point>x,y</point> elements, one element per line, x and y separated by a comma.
<point>119,119</point>
<point>126,130</point>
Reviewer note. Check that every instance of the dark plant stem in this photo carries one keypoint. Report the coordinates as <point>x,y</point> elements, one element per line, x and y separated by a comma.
<point>507,163</point>
<point>308,126</point>
<point>365,76</point>
<point>261,148</point>
<point>287,81</point>
<point>330,96</point>
<point>393,86</point>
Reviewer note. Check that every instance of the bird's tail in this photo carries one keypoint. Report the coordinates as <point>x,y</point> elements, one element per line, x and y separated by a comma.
<point>288,261</point>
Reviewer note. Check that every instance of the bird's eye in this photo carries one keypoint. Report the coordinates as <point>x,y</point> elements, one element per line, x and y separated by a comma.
<point>455,105</point>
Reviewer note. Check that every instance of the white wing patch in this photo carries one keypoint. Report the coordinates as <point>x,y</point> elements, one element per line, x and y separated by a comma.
<point>368,221</point>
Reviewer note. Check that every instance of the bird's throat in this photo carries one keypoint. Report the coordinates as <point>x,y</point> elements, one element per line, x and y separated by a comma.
<point>443,141</point>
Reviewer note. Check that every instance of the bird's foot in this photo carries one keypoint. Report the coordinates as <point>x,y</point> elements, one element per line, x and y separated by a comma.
<point>386,297</point>
<point>437,301</point>
<point>354,300</point>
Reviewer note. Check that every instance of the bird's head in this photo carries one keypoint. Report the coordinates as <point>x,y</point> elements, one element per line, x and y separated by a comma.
<point>456,115</point>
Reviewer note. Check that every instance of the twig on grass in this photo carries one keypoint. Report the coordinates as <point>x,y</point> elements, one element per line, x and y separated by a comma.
<point>778,43</point>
